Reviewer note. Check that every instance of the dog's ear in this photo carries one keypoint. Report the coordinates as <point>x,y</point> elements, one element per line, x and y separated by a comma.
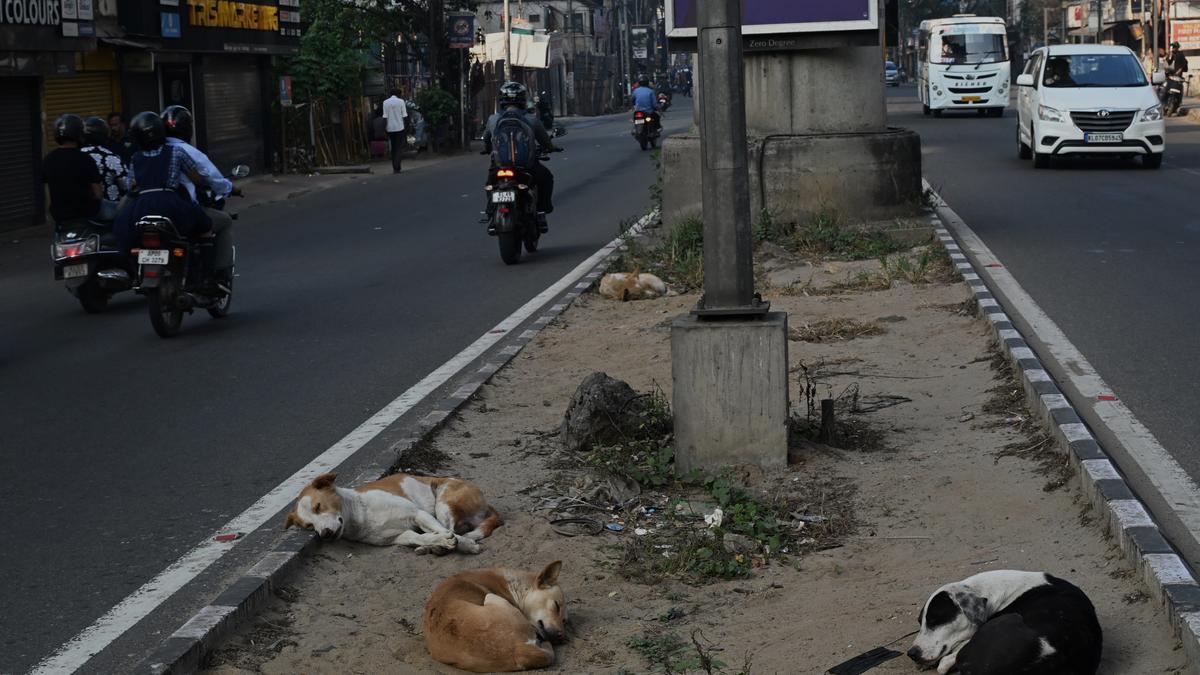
<point>324,480</point>
<point>973,607</point>
<point>941,610</point>
<point>291,521</point>
<point>548,577</point>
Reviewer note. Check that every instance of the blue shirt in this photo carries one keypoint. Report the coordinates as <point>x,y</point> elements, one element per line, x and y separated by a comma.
<point>219,185</point>
<point>644,99</point>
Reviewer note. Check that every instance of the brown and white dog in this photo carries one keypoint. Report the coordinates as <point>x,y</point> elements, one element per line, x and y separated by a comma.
<point>631,286</point>
<point>497,620</point>
<point>431,513</point>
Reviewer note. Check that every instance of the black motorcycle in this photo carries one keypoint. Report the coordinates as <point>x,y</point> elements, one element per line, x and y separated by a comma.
<point>1172,96</point>
<point>514,219</point>
<point>87,259</point>
<point>175,272</point>
<point>646,129</point>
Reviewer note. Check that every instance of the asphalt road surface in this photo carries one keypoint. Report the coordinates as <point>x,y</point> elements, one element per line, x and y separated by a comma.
<point>121,450</point>
<point>1109,250</point>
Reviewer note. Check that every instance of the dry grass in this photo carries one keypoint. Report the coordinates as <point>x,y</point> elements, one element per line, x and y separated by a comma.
<point>835,330</point>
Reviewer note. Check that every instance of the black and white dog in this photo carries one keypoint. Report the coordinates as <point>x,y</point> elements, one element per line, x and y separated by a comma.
<point>1009,623</point>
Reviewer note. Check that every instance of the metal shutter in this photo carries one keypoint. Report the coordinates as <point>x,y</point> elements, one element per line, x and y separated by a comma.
<point>233,113</point>
<point>19,188</point>
<point>84,94</point>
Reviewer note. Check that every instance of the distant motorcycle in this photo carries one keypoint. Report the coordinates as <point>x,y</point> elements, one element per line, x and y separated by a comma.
<point>646,129</point>
<point>175,272</point>
<point>664,101</point>
<point>1172,96</point>
<point>87,259</point>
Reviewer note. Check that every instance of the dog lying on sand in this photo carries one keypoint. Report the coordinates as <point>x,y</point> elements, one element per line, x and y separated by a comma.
<point>632,286</point>
<point>430,513</point>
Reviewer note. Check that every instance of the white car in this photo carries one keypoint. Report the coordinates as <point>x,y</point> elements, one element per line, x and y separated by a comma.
<point>1088,100</point>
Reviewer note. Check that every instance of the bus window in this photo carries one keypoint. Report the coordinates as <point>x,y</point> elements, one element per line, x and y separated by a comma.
<point>973,48</point>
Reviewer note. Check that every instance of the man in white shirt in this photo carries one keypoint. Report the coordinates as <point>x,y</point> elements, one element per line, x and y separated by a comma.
<point>394,111</point>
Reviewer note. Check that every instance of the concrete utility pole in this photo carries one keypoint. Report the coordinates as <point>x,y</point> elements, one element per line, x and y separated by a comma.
<point>729,364</point>
<point>1154,46</point>
<point>507,44</point>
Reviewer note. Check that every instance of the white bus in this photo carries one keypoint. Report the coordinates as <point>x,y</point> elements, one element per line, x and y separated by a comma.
<point>963,65</point>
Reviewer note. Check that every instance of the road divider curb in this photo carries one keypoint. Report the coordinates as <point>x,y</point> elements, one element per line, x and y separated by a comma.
<point>1121,513</point>
<point>186,650</point>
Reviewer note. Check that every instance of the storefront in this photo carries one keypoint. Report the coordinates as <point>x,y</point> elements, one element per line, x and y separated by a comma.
<point>215,57</point>
<point>38,42</point>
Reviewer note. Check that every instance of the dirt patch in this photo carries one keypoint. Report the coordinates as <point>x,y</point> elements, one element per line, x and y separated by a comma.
<point>934,498</point>
<point>835,330</point>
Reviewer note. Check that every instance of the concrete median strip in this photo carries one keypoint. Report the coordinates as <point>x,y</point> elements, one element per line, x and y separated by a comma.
<point>1123,513</point>
<point>184,650</point>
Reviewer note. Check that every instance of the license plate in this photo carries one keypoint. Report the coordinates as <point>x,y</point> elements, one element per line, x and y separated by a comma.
<point>72,271</point>
<point>503,197</point>
<point>639,121</point>
<point>1103,138</point>
<point>970,99</point>
<point>151,257</point>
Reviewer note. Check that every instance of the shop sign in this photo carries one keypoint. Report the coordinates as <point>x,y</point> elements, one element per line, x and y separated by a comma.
<point>30,12</point>
<point>285,91</point>
<point>224,14</point>
<point>170,25</point>
<point>1186,32</point>
<point>782,17</point>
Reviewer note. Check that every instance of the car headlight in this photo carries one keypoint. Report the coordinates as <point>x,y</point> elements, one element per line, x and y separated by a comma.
<point>1152,114</point>
<point>1048,114</point>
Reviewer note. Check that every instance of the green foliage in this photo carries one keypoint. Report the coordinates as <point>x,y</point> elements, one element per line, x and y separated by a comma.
<point>670,654</point>
<point>326,68</point>
<point>437,105</point>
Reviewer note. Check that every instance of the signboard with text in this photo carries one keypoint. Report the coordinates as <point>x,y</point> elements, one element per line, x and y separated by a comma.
<point>1186,32</point>
<point>460,31</point>
<point>782,17</point>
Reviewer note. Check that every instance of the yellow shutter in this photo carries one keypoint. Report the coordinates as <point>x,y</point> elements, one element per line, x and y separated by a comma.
<point>84,94</point>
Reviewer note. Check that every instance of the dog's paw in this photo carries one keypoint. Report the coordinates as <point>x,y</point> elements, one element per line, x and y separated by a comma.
<point>947,663</point>
<point>468,545</point>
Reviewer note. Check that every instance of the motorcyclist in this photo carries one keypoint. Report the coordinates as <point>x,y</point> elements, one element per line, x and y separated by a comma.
<point>72,177</point>
<point>113,171</point>
<point>644,101</point>
<point>545,110</point>
<point>513,101</point>
<point>178,124</point>
<point>1177,64</point>
<point>158,171</point>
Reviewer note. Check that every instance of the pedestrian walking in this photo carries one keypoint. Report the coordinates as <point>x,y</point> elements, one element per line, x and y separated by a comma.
<point>394,111</point>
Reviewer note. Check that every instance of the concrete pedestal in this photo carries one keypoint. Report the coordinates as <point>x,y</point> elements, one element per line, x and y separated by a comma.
<point>730,393</point>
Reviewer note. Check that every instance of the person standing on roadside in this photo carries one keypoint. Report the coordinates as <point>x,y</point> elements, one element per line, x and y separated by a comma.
<point>394,111</point>
<point>119,140</point>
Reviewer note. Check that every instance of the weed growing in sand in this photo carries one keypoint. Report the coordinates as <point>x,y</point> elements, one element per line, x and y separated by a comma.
<point>835,330</point>
<point>670,654</point>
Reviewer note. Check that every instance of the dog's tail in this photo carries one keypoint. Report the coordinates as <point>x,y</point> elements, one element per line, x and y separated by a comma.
<point>491,522</point>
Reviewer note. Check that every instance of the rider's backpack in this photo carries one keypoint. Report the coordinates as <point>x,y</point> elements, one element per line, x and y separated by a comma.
<point>513,140</point>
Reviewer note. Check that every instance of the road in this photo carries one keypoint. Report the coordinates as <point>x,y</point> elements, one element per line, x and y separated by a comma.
<point>121,450</point>
<point>1109,250</point>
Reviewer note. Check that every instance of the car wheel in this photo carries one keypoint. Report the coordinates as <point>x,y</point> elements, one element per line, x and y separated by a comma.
<point>926,110</point>
<point>1152,160</point>
<point>1023,150</point>
<point>937,113</point>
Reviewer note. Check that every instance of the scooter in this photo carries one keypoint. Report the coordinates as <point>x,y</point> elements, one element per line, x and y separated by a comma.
<point>87,259</point>
<point>1172,95</point>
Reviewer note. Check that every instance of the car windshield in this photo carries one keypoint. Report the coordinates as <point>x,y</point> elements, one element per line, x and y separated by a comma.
<point>973,48</point>
<point>888,65</point>
<point>1093,70</point>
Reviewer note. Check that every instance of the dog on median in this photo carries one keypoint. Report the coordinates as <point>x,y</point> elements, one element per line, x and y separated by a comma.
<point>433,514</point>
<point>632,286</point>
<point>496,620</point>
<point>1008,622</point>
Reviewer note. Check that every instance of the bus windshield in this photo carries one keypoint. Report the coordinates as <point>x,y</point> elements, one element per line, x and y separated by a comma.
<point>972,48</point>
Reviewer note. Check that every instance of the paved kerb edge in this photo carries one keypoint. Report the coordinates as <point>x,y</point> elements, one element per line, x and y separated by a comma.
<point>1120,512</point>
<point>184,650</point>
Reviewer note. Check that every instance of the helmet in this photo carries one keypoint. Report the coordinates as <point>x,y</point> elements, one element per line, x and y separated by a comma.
<point>68,128</point>
<point>95,131</point>
<point>147,131</point>
<point>178,122</point>
<point>1174,45</point>
<point>513,93</point>
<point>643,81</point>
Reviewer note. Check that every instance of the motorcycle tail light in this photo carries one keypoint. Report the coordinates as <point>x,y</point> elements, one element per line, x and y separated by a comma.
<point>638,115</point>
<point>505,173</point>
<point>74,249</point>
<point>151,239</point>
<point>178,253</point>
<point>504,210</point>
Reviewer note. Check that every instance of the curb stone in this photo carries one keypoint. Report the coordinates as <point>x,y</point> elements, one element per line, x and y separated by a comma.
<point>1120,512</point>
<point>185,650</point>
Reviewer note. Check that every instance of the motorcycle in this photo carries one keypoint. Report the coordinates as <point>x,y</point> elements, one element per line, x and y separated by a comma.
<point>87,260</point>
<point>1172,96</point>
<point>515,221</point>
<point>664,101</point>
<point>175,272</point>
<point>646,129</point>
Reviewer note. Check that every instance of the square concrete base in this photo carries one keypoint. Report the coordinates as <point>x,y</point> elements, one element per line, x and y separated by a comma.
<point>730,392</point>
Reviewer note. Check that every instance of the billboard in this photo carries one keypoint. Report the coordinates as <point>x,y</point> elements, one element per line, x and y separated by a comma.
<point>1186,33</point>
<point>779,17</point>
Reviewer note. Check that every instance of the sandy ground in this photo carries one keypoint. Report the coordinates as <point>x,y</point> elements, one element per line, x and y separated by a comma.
<point>938,505</point>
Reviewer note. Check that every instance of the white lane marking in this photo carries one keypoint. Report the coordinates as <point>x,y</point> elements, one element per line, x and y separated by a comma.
<point>1178,491</point>
<point>93,639</point>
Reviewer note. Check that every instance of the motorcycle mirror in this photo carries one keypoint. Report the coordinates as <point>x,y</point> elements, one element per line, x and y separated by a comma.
<point>1158,77</point>
<point>241,171</point>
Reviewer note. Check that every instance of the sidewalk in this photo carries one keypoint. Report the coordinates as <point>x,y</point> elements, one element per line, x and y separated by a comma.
<point>941,474</point>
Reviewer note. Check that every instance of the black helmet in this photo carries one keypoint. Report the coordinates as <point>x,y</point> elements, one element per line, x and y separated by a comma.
<point>95,131</point>
<point>146,130</point>
<point>1174,45</point>
<point>68,128</point>
<point>513,93</point>
<point>643,81</point>
<point>178,122</point>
